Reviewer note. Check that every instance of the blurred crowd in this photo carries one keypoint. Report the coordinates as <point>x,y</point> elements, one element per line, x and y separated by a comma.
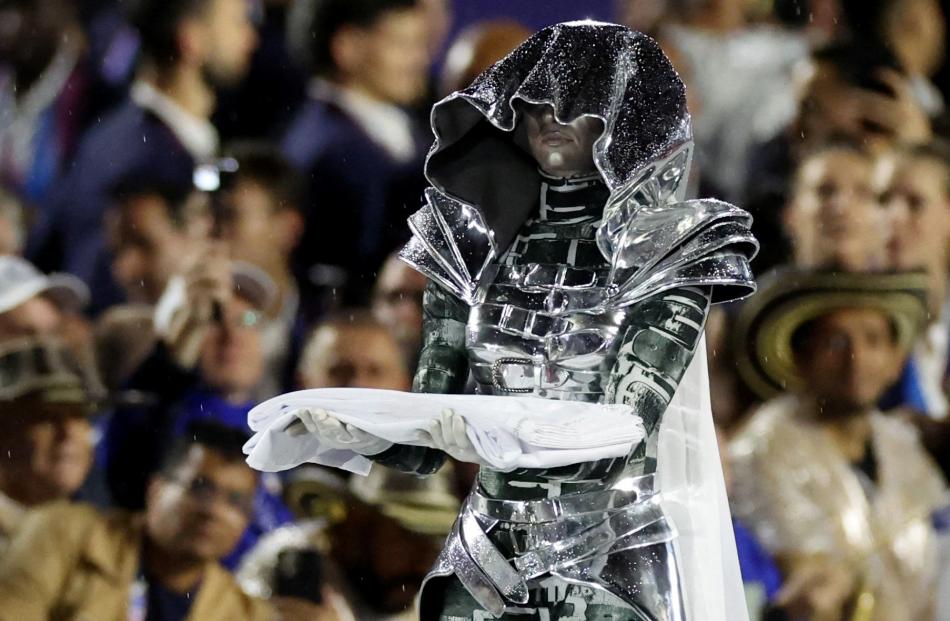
<point>200,201</point>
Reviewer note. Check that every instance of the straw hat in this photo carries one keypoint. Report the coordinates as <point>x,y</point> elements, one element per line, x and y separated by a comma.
<point>421,505</point>
<point>787,298</point>
<point>44,369</point>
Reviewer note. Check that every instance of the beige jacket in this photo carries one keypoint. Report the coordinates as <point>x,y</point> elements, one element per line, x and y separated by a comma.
<point>71,562</point>
<point>11,514</point>
<point>793,487</point>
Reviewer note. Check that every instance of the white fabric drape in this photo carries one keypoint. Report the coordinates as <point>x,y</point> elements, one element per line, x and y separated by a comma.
<point>507,432</point>
<point>693,495</point>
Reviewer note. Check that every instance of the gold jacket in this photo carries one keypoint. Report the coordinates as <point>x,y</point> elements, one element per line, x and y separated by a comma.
<point>72,562</point>
<point>800,496</point>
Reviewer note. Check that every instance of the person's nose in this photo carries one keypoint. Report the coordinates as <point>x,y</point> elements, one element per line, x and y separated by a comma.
<point>547,114</point>
<point>127,267</point>
<point>838,203</point>
<point>898,213</point>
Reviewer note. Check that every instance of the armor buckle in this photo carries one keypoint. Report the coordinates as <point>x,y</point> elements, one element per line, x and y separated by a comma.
<point>498,375</point>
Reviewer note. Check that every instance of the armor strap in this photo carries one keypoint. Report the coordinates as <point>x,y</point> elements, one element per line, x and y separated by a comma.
<point>632,518</point>
<point>550,275</point>
<point>622,494</point>
<point>490,560</point>
<point>635,526</point>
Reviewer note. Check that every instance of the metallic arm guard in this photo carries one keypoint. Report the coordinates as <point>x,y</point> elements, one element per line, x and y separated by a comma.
<point>654,353</point>
<point>443,369</point>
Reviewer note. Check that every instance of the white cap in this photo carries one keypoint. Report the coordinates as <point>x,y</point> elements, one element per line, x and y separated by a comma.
<point>20,281</point>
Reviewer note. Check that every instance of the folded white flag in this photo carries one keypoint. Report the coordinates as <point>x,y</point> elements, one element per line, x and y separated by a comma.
<point>507,432</point>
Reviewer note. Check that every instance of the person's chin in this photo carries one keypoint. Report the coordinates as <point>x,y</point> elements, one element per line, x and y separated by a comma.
<point>69,475</point>
<point>200,548</point>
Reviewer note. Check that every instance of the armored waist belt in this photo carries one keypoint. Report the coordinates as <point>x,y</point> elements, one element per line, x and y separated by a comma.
<point>558,535</point>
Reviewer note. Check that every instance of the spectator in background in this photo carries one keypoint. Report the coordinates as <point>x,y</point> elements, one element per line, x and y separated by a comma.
<point>913,186</point>
<point>380,535</point>
<point>832,218</point>
<point>206,366</point>
<point>761,578</point>
<point>397,304</point>
<point>44,93</point>
<point>124,336</point>
<point>359,147</point>
<point>352,350</point>
<point>259,218</point>
<point>187,48</point>
<point>73,561</point>
<point>841,494</point>
<point>261,105</point>
<point>45,432</point>
<point>33,304</point>
<point>913,189</point>
<point>742,76</point>
<point>915,30</point>
<point>849,92</point>
<point>12,225</point>
<point>152,228</point>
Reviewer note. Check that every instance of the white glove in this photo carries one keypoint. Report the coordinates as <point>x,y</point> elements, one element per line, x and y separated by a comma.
<point>448,435</point>
<point>336,434</point>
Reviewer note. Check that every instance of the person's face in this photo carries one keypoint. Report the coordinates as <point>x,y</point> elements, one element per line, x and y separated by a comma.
<point>390,59</point>
<point>831,218</point>
<point>148,247</point>
<point>915,30</point>
<point>257,230</point>
<point>232,358</point>
<point>36,316</point>
<point>561,150</point>
<point>850,358</point>
<point>48,449</point>
<point>353,357</point>
<point>397,304</point>
<point>202,510</point>
<point>915,205</point>
<point>231,39</point>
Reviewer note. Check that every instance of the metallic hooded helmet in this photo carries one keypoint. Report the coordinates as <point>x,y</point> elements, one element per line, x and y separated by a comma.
<point>610,72</point>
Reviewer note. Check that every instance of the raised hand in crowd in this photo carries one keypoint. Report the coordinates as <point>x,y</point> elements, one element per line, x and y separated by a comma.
<point>194,301</point>
<point>895,114</point>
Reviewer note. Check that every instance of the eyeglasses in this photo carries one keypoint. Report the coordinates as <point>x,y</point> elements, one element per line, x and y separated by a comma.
<point>247,319</point>
<point>205,491</point>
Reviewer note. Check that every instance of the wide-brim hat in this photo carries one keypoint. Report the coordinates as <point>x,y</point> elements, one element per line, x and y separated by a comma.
<point>425,506</point>
<point>787,298</point>
<point>45,370</point>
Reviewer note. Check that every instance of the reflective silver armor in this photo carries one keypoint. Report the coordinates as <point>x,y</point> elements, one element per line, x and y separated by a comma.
<point>551,318</point>
<point>589,289</point>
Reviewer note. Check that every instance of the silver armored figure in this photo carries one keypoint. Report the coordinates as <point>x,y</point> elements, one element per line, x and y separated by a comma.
<point>564,263</point>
